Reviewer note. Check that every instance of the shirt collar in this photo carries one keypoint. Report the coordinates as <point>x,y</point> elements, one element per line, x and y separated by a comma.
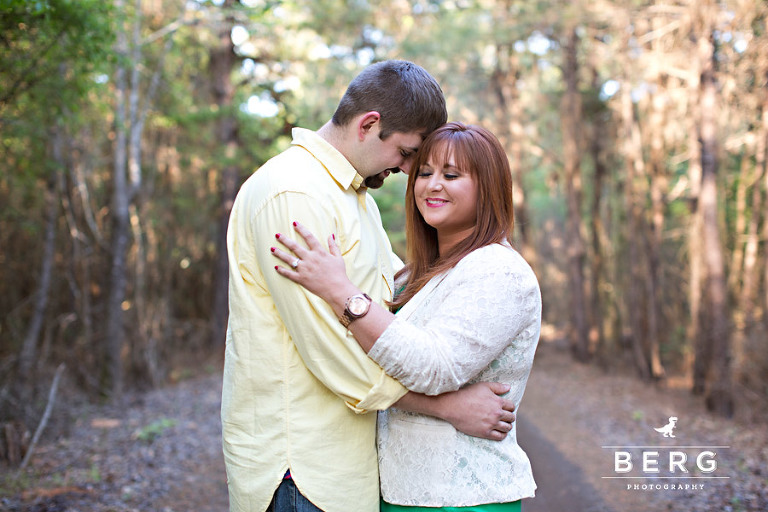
<point>334,162</point>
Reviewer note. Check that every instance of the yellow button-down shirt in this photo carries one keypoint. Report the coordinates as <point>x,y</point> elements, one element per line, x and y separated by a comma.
<point>296,384</point>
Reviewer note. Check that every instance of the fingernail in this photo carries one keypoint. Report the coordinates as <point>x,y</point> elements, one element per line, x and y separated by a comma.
<point>277,236</point>
<point>294,224</point>
<point>275,267</point>
<point>272,249</point>
<point>334,236</point>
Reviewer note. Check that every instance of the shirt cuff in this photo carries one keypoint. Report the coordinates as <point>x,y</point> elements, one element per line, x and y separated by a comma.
<point>381,396</point>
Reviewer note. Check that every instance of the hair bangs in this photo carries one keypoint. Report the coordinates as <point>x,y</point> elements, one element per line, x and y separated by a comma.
<point>446,146</point>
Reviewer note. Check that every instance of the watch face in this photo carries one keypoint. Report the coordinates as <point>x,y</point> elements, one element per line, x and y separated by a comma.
<point>357,306</point>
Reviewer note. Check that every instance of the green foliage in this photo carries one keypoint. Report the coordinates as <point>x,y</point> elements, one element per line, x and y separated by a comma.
<point>13,482</point>
<point>51,50</point>
<point>154,430</point>
<point>390,199</point>
<point>335,18</point>
<point>52,53</point>
<point>94,474</point>
<point>54,56</point>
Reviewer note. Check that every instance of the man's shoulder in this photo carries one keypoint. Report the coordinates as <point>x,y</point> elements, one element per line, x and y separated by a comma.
<point>292,170</point>
<point>294,161</point>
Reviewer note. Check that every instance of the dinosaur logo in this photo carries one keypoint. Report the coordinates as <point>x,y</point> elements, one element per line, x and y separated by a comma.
<point>668,429</point>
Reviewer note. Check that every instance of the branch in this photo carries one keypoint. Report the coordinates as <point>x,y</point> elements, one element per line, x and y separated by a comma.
<point>33,66</point>
<point>81,186</point>
<point>46,416</point>
<point>170,28</point>
<point>660,32</point>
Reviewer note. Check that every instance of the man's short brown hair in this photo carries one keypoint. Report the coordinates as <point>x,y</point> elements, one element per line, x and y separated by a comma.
<point>405,94</point>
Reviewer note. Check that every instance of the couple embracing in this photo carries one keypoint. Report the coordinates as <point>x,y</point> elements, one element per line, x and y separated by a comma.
<point>327,326</point>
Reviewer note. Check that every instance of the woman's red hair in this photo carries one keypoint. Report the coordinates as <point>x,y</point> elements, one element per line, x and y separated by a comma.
<point>479,152</point>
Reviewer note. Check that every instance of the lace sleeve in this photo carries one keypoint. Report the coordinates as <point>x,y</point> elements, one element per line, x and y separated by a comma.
<point>473,315</point>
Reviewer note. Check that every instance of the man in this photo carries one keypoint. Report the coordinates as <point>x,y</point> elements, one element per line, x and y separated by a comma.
<point>296,385</point>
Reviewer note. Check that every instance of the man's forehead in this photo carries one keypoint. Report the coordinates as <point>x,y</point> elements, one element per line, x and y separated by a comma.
<point>410,140</point>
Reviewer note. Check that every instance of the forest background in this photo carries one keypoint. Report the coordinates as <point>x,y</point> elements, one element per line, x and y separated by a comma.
<point>637,133</point>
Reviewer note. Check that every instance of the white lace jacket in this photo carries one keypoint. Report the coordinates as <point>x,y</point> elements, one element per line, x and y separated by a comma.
<point>478,322</point>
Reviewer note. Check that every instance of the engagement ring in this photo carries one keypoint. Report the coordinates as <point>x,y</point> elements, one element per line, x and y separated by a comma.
<point>295,263</point>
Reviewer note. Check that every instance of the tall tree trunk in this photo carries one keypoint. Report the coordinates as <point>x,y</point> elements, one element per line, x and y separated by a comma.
<point>745,180</point>
<point>505,87</point>
<point>658,184</point>
<point>114,332</point>
<point>762,162</point>
<point>29,345</point>
<point>765,258</point>
<point>596,149</point>
<point>130,117</point>
<point>223,61</point>
<point>134,185</point>
<point>79,280</point>
<point>76,202</point>
<point>511,115</point>
<point>744,279</point>
<point>634,166</point>
<point>146,355</point>
<point>700,353</point>
<point>719,397</point>
<point>571,121</point>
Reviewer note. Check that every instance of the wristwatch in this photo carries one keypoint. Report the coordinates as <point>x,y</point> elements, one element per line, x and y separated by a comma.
<point>357,306</point>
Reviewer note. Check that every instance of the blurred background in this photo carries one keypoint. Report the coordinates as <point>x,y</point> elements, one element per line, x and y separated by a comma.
<point>637,133</point>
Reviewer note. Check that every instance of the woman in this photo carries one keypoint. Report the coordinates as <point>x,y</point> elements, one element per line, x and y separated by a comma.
<point>468,310</point>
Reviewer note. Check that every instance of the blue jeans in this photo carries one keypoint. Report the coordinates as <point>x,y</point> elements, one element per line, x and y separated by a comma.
<point>287,498</point>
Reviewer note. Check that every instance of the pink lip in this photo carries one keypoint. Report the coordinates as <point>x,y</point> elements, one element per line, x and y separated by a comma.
<point>435,202</point>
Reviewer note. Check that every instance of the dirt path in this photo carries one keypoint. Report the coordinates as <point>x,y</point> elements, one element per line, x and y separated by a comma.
<point>561,484</point>
<point>570,412</point>
<point>162,451</point>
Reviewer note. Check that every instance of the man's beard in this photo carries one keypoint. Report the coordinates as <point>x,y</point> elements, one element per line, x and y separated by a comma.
<point>377,180</point>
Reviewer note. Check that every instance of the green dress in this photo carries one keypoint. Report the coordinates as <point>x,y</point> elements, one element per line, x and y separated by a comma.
<point>515,506</point>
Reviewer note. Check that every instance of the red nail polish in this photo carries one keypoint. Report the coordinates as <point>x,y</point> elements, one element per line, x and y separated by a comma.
<point>272,249</point>
<point>277,236</point>
<point>334,236</point>
<point>294,224</point>
<point>275,267</point>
